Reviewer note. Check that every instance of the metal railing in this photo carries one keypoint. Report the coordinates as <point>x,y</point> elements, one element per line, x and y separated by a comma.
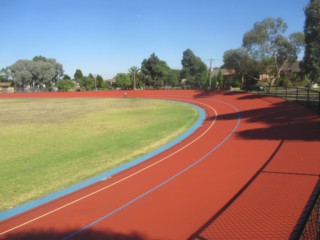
<point>305,96</point>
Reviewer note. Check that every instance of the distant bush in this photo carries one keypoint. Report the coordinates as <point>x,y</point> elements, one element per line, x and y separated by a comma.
<point>235,84</point>
<point>285,82</point>
<point>65,85</point>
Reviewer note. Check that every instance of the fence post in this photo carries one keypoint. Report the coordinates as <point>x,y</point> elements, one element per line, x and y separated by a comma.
<point>319,104</point>
<point>286,97</point>
<point>308,92</point>
<point>297,96</point>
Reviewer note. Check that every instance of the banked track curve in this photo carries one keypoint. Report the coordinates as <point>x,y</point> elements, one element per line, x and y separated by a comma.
<point>173,198</point>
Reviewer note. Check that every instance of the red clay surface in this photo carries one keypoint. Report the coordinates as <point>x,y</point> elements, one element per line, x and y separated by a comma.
<point>251,180</point>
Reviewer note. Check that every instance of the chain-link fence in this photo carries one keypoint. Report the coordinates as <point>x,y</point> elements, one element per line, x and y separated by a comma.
<point>308,226</point>
<point>32,89</point>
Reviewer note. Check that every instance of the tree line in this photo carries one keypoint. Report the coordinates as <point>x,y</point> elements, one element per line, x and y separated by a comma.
<point>42,72</point>
<point>266,49</point>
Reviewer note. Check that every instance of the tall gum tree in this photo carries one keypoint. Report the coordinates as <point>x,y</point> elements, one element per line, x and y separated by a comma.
<point>242,63</point>
<point>267,44</point>
<point>311,60</point>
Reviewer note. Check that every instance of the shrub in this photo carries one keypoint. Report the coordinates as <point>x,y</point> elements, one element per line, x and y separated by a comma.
<point>65,85</point>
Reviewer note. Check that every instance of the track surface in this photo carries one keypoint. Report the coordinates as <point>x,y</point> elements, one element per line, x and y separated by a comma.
<point>247,172</point>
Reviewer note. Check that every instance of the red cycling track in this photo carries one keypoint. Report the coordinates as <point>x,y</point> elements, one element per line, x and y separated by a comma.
<point>246,173</point>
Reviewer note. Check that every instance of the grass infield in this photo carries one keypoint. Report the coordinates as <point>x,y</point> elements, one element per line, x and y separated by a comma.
<point>49,144</point>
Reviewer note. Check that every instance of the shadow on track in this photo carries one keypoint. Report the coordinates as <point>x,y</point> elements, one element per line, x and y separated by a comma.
<point>87,234</point>
<point>284,120</point>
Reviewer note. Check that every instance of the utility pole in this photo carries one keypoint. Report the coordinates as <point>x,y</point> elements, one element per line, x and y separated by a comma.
<point>211,71</point>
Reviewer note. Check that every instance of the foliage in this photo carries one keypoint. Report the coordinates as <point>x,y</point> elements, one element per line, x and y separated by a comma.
<point>229,81</point>
<point>87,83</point>
<point>245,66</point>
<point>65,85</point>
<point>194,70</point>
<point>90,82</point>
<point>123,81</point>
<point>284,82</point>
<point>311,61</point>
<point>57,66</point>
<point>220,81</point>
<point>65,77</point>
<point>173,78</point>
<point>135,76</point>
<point>235,84</point>
<point>39,58</point>
<point>104,85</point>
<point>5,74</point>
<point>37,72</point>
<point>99,82</point>
<point>304,82</point>
<point>267,45</point>
<point>154,71</point>
<point>78,75</point>
<point>3,79</point>
<point>214,82</point>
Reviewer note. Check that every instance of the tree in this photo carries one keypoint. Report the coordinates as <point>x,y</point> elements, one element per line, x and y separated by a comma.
<point>242,63</point>
<point>311,60</point>
<point>90,82</point>
<point>154,71</point>
<point>79,78</point>
<point>66,77</point>
<point>193,69</point>
<point>99,80</point>
<point>57,66</point>
<point>78,75</point>
<point>133,71</point>
<point>38,72</point>
<point>20,73</point>
<point>214,83</point>
<point>267,45</point>
<point>6,74</point>
<point>42,72</point>
<point>39,58</point>
<point>220,80</point>
<point>65,84</point>
<point>173,78</point>
<point>123,81</point>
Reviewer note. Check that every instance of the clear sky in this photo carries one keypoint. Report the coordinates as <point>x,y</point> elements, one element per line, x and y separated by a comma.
<point>109,36</point>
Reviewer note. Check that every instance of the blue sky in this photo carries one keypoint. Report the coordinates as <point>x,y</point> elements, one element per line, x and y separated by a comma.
<point>109,36</point>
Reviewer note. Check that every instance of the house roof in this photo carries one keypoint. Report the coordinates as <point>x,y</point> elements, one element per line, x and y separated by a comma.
<point>292,67</point>
<point>5,84</point>
<point>225,72</point>
<point>113,80</point>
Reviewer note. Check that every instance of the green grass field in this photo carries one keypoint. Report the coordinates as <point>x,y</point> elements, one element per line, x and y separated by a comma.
<point>48,144</point>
